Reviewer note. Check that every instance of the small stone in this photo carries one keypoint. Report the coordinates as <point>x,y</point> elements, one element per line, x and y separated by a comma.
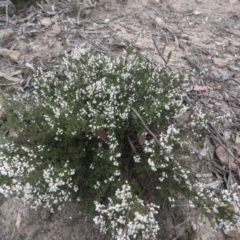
<point>138,45</point>
<point>160,23</point>
<point>194,226</point>
<point>45,21</point>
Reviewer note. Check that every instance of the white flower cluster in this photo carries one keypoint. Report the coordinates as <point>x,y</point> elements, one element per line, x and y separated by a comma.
<point>128,216</point>
<point>225,205</point>
<point>53,190</point>
<point>229,200</point>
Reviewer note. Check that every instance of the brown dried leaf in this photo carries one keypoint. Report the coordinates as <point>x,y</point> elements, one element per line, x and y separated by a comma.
<point>213,184</point>
<point>14,55</point>
<point>56,28</point>
<point>9,77</point>
<point>204,169</point>
<point>237,137</point>
<point>29,17</point>
<point>206,51</point>
<point>216,171</point>
<point>236,43</point>
<point>30,66</point>
<point>238,173</point>
<point>4,33</point>
<point>236,146</point>
<point>201,88</point>
<point>16,73</point>
<point>13,134</point>
<point>220,62</point>
<point>225,158</point>
<point>208,150</point>
<point>233,234</point>
<point>204,88</point>
<point>184,117</point>
<point>18,221</point>
<point>141,138</point>
<point>227,134</point>
<point>229,180</point>
<point>102,134</point>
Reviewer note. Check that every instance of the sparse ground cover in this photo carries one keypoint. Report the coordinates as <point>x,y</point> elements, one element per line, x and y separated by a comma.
<point>197,38</point>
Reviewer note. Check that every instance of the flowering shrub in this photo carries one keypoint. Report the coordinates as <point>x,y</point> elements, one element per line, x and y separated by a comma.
<point>100,131</point>
<point>141,225</point>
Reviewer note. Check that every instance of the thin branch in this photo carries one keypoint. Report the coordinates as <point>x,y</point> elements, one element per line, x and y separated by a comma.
<point>144,124</point>
<point>174,223</point>
<point>160,54</point>
<point>192,63</point>
<point>179,225</point>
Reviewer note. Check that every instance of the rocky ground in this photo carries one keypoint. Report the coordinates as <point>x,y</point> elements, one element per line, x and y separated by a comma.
<point>202,35</point>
